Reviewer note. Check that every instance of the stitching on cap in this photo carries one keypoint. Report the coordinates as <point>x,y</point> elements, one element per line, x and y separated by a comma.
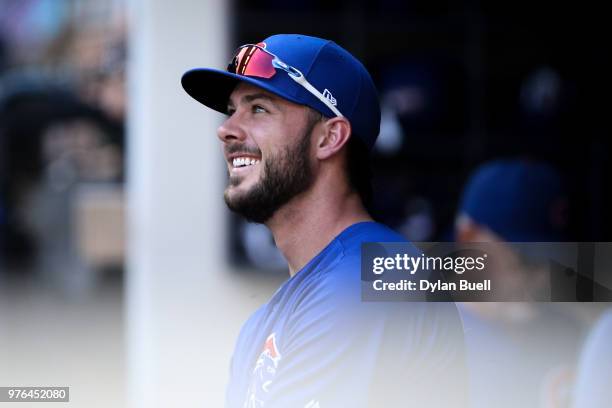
<point>316,57</point>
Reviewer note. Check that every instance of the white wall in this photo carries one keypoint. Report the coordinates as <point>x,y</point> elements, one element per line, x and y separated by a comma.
<point>184,307</point>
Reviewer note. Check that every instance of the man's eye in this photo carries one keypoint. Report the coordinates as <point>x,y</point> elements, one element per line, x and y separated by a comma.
<point>258,109</point>
<point>230,111</point>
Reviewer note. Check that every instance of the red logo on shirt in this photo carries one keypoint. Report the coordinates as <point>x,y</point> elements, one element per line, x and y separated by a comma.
<point>270,348</point>
<point>263,373</point>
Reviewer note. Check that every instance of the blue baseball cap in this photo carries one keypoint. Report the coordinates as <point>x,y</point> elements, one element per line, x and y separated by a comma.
<point>520,200</point>
<point>332,70</point>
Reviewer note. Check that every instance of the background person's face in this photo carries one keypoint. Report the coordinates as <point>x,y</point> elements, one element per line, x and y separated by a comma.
<point>267,147</point>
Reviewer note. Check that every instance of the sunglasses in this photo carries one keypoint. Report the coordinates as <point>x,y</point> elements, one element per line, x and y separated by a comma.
<point>255,61</point>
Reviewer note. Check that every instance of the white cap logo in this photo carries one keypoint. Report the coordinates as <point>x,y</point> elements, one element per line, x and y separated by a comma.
<point>328,95</point>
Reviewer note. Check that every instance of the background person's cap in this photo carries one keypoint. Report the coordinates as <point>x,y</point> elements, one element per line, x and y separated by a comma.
<point>519,200</point>
<point>328,67</point>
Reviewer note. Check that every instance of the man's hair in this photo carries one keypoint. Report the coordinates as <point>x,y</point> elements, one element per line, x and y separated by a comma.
<point>358,168</point>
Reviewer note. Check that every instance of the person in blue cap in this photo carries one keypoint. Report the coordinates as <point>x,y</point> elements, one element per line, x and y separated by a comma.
<point>516,350</point>
<point>514,200</point>
<point>302,115</point>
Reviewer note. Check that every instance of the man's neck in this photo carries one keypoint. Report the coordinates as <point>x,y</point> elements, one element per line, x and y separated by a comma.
<point>309,222</point>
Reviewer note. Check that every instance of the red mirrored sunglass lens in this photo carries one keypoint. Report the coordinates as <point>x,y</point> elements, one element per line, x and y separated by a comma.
<point>252,61</point>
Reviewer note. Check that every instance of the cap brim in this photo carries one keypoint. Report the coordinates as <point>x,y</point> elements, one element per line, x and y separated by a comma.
<point>213,87</point>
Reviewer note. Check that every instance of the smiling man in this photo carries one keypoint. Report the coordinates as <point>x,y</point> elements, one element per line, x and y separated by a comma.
<point>261,186</point>
<point>303,114</point>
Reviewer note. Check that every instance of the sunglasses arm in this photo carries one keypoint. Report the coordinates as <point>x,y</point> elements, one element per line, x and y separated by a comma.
<point>303,82</point>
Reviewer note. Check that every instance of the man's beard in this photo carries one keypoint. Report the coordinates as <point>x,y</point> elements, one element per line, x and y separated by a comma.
<point>284,176</point>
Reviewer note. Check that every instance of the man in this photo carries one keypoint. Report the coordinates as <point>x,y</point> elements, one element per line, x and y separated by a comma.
<point>302,116</point>
<point>528,345</point>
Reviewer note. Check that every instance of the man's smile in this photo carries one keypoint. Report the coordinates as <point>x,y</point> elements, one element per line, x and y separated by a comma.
<point>241,162</point>
<point>244,162</point>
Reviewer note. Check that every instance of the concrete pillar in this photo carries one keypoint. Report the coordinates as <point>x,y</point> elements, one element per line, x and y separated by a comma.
<point>184,307</point>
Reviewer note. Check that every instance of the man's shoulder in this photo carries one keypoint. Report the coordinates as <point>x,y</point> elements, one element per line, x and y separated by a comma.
<point>333,285</point>
<point>338,268</point>
<point>351,239</point>
<point>368,231</point>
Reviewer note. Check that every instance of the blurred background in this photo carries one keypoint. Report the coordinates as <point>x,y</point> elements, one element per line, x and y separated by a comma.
<point>123,276</point>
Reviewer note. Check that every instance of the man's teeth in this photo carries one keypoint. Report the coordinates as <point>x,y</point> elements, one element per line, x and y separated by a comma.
<point>244,161</point>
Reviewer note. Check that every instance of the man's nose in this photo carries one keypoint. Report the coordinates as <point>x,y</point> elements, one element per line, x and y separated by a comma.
<point>230,130</point>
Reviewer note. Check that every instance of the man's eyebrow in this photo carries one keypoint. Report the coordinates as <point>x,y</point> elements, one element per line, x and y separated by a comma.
<point>260,95</point>
<point>251,97</point>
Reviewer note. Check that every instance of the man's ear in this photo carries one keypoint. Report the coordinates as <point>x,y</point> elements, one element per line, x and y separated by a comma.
<point>334,135</point>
